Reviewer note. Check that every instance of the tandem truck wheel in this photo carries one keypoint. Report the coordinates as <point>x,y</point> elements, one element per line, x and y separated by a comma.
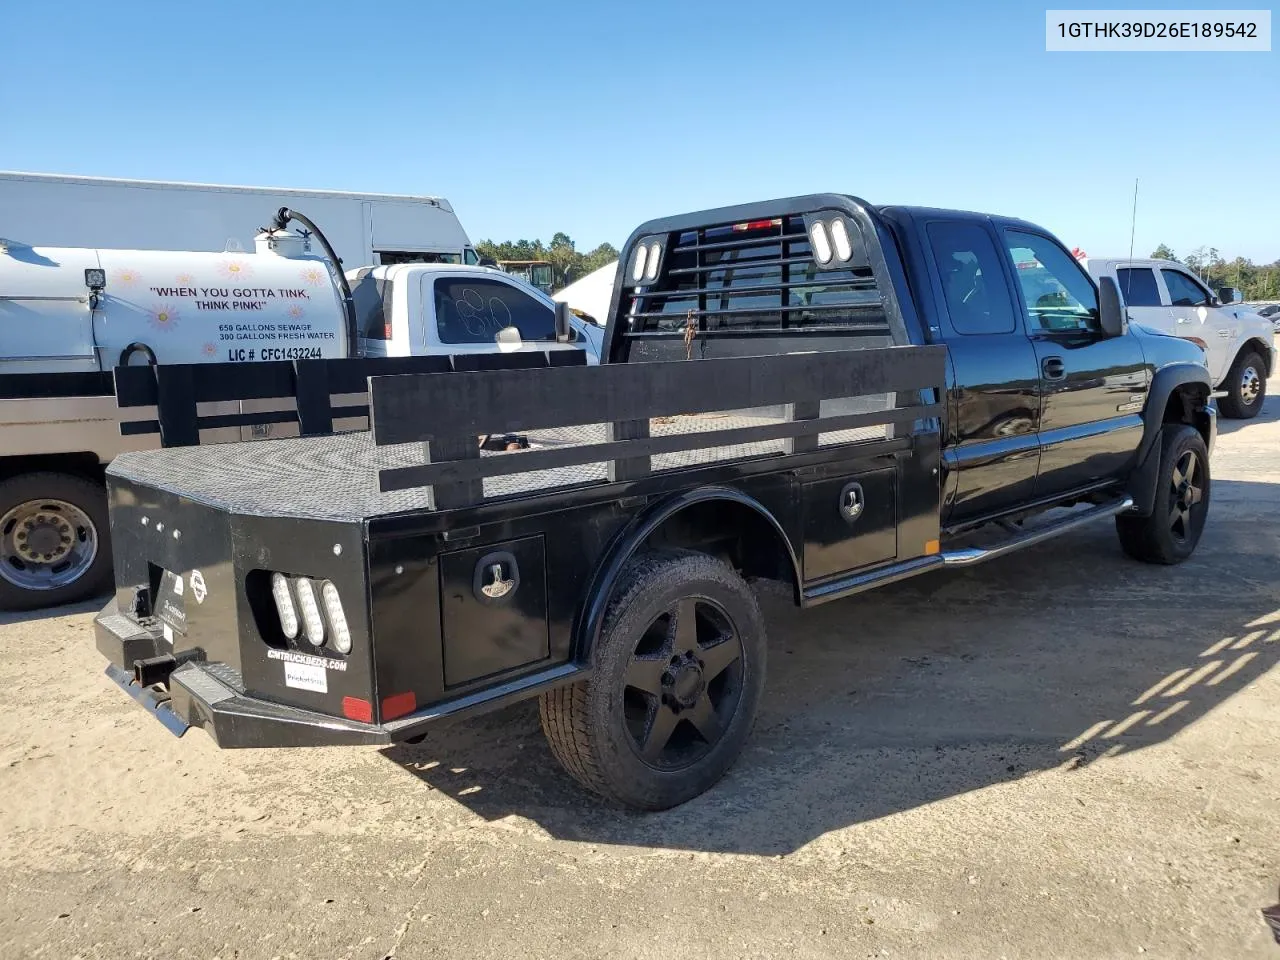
<point>678,672</point>
<point>1172,531</point>
<point>55,540</point>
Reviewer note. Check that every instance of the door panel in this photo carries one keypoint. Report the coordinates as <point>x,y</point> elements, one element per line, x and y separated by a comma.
<point>994,444</point>
<point>991,446</point>
<point>1094,386</point>
<point>1091,418</point>
<point>1194,317</point>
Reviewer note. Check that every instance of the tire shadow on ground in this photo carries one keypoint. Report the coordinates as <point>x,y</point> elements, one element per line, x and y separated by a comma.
<point>1045,660</point>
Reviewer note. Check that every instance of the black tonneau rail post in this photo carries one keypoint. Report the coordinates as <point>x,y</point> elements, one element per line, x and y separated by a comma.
<point>625,397</point>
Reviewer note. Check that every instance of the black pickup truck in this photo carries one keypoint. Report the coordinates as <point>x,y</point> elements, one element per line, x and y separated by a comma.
<point>813,391</point>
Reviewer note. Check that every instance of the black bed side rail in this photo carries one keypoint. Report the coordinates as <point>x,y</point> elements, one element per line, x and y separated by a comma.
<point>177,390</point>
<point>54,386</point>
<point>625,398</point>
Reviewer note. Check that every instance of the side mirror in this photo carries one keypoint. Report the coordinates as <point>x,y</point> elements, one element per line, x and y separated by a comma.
<point>1111,311</point>
<point>563,330</point>
<point>508,340</point>
<point>1230,295</point>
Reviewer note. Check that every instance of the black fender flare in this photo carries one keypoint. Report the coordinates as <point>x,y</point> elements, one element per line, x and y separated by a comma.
<point>628,541</point>
<point>1142,482</point>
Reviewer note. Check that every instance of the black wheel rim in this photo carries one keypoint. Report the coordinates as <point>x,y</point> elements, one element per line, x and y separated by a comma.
<point>683,684</point>
<point>1187,498</point>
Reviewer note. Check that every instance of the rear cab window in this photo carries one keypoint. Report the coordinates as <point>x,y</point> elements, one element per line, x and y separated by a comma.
<point>473,310</point>
<point>1059,296</point>
<point>1138,286</point>
<point>973,282</point>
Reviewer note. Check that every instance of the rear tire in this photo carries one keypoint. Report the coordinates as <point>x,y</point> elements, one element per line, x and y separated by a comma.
<point>676,682</point>
<point>1246,386</point>
<point>55,540</point>
<point>1170,534</point>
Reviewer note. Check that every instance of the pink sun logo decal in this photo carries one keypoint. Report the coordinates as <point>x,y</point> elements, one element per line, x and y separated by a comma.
<point>126,277</point>
<point>209,350</point>
<point>296,312</point>
<point>312,275</point>
<point>235,269</point>
<point>164,317</point>
<point>184,279</point>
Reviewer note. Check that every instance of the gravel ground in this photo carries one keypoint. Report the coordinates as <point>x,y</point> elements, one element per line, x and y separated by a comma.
<point>1059,754</point>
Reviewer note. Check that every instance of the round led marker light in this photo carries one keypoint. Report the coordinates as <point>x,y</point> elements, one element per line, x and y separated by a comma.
<point>637,270</point>
<point>840,238</point>
<point>819,241</point>
<point>312,622</point>
<point>337,617</point>
<point>283,597</point>
<point>655,252</point>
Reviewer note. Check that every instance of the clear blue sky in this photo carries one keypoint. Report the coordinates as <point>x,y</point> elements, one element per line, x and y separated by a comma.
<point>591,117</point>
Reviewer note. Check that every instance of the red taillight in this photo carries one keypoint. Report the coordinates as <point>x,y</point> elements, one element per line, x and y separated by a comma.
<point>758,224</point>
<point>398,705</point>
<point>353,708</point>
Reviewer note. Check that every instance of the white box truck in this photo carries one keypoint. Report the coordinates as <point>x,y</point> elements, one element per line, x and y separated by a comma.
<point>366,229</point>
<point>68,316</point>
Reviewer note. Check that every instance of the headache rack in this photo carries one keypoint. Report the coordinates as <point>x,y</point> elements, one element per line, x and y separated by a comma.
<point>723,282</point>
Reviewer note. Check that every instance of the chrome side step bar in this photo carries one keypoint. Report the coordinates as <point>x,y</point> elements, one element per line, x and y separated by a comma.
<point>968,556</point>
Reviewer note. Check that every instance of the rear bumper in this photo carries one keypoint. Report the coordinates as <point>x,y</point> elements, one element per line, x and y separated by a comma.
<point>200,694</point>
<point>195,696</point>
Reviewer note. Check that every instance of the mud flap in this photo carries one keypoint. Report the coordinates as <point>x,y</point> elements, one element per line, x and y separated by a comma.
<point>155,700</point>
<point>1143,480</point>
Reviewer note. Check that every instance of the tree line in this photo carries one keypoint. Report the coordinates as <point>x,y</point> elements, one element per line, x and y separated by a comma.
<point>1256,281</point>
<point>567,262</point>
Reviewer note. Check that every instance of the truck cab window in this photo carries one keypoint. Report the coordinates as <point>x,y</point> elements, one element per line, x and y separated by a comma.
<point>472,310</point>
<point>1060,296</point>
<point>1138,286</point>
<point>973,283</point>
<point>1183,291</point>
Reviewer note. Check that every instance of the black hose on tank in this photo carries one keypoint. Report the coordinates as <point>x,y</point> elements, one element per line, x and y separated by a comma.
<point>283,216</point>
<point>137,347</point>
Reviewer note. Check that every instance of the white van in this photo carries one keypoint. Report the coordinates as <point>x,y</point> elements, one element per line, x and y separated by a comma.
<point>1238,344</point>
<point>365,229</point>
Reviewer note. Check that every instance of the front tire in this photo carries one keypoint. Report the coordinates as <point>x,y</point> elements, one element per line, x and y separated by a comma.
<point>1246,386</point>
<point>678,673</point>
<point>1170,534</point>
<point>55,541</point>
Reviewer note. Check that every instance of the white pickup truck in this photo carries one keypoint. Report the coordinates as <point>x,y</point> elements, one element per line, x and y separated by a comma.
<point>68,316</point>
<point>1238,344</point>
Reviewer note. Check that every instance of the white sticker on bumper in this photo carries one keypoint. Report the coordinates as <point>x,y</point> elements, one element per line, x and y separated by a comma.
<point>303,676</point>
